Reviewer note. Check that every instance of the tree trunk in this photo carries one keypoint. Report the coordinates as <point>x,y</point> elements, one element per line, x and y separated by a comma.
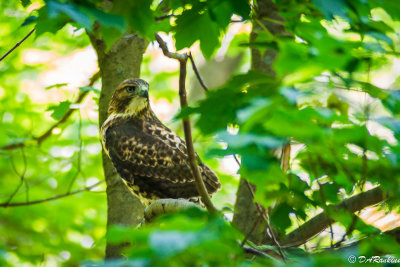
<point>246,216</point>
<point>122,61</point>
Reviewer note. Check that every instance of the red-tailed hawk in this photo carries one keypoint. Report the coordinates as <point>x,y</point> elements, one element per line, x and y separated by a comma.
<point>150,157</point>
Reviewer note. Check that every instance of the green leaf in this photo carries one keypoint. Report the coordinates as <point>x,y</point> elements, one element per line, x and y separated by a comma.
<point>242,140</point>
<point>109,20</point>
<point>45,24</point>
<point>333,102</point>
<point>221,12</point>
<point>192,26</point>
<point>25,3</point>
<point>382,37</point>
<point>29,20</point>
<point>54,8</point>
<point>138,15</point>
<point>332,8</point>
<point>59,110</point>
<point>168,243</point>
<point>110,35</point>
<point>330,192</point>
<point>280,217</point>
<point>241,7</point>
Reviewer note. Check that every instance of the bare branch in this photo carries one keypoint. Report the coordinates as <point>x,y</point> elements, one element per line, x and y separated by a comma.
<point>318,223</point>
<point>167,53</point>
<point>49,132</point>
<point>17,44</point>
<point>196,71</point>
<point>182,58</point>
<point>18,204</point>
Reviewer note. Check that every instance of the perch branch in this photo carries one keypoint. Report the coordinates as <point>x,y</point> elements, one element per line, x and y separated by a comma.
<point>167,53</point>
<point>168,205</point>
<point>318,223</point>
<point>48,133</point>
<point>18,204</point>
<point>182,58</point>
<point>17,44</point>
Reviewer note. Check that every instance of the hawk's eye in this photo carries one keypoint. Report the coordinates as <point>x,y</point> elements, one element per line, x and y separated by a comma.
<point>130,89</point>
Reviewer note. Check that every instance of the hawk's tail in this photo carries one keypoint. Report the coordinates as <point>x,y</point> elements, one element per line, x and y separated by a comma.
<point>210,179</point>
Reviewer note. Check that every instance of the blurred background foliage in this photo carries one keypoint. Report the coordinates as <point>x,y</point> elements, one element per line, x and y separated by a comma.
<point>334,97</point>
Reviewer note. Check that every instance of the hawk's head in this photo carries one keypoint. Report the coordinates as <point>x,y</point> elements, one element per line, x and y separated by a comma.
<point>131,97</point>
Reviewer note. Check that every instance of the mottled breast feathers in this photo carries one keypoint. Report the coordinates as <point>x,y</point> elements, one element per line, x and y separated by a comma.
<point>151,158</point>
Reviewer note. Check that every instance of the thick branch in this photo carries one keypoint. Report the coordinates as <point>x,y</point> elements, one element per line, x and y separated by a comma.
<point>18,204</point>
<point>118,62</point>
<point>48,133</point>
<point>168,205</point>
<point>201,188</point>
<point>321,221</point>
<point>17,44</point>
<point>167,53</point>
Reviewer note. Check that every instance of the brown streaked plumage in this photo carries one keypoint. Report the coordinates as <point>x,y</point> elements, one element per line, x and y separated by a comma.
<point>150,157</point>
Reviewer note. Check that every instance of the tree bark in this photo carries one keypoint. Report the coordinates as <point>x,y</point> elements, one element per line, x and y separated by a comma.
<point>245,216</point>
<point>120,62</point>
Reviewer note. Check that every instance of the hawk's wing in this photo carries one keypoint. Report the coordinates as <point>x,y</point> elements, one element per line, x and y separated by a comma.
<point>154,158</point>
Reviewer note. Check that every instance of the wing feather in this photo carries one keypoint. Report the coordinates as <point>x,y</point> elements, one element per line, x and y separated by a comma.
<point>149,150</point>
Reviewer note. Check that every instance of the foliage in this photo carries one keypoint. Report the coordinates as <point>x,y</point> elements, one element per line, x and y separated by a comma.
<point>326,98</point>
<point>177,240</point>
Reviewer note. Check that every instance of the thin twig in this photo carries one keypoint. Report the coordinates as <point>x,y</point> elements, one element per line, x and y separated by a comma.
<point>183,58</point>
<point>332,234</point>
<point>17,44</point>
<point>237,20</point>
<point>164,17</point>
<point>237,160</point>
<point>196,71</point>
<point>49,132</point>
<point>18,204</point>
<point>20,175</point>
<point>255,251</point>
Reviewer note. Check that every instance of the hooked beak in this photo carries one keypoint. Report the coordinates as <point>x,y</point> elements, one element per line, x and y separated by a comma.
<point>143,91</point>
